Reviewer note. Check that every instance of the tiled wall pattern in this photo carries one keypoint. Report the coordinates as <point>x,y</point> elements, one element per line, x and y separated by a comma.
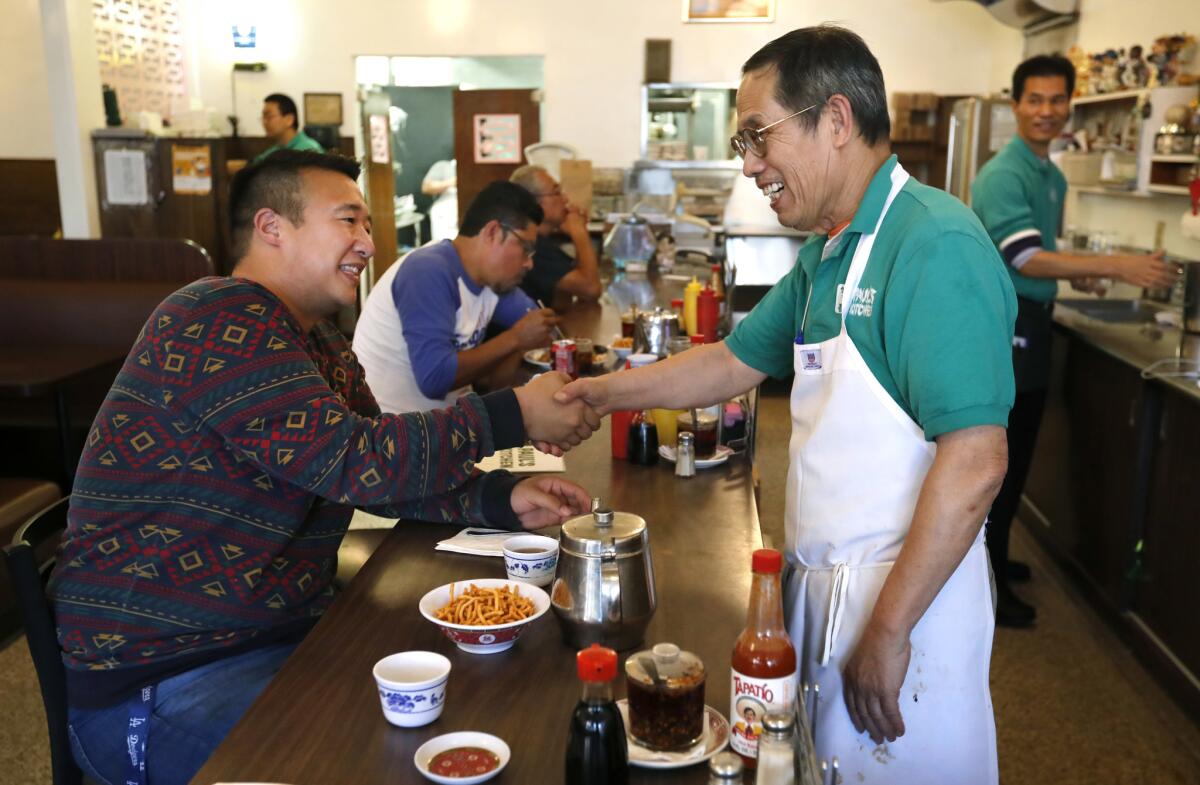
<point>140,45</point>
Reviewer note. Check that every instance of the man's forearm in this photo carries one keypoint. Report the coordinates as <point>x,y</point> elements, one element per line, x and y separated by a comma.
<point>584,280</point>
<point>475,363</point>
<point>955,498</point>
<point>1052,264</point>
<point>698,377</point>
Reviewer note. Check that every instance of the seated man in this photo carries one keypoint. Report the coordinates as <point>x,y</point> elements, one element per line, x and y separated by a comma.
<point>222,470</point>
<point>420,337</point>
<point>556,277</point>
<point>281,124</point>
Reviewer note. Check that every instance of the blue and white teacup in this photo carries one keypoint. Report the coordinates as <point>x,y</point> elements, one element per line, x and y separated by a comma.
<point>412,687</point>
<point>531,558</point>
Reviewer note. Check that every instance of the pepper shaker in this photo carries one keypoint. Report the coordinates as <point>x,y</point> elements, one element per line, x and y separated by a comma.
<point>685,455</point>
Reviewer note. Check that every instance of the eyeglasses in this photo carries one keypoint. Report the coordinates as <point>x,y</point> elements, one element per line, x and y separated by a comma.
<point>754,139</point>
<point>527,247</point>
<point>557,191</point>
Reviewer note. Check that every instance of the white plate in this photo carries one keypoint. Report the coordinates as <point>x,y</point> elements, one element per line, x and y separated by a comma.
<point>716,736</point>
<point>723,453</point>
<point>446,741</point>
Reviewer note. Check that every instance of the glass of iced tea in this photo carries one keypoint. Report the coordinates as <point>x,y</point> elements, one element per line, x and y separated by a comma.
<point>705,426</point>
<point>583,355</point>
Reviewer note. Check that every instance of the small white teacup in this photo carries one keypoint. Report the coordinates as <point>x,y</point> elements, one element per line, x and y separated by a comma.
<point>530,558</point>
<point>412,687</point>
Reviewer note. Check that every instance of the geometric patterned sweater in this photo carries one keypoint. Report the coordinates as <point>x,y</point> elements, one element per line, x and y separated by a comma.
<point>220,476</point>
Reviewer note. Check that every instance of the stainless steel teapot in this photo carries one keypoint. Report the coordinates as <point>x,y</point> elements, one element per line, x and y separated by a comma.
<point>603,589</point>
<point>653,330</point>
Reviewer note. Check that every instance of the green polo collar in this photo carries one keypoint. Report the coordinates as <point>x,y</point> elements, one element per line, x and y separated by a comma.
<point>873,200</point>
<point>1027,155</point>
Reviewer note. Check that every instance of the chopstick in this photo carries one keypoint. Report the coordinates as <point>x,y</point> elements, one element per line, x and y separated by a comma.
<point>557,332</point>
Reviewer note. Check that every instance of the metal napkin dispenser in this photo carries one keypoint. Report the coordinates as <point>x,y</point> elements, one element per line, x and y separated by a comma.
<point>603,589</point>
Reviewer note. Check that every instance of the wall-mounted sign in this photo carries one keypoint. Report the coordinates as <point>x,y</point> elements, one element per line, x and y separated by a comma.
<point>191,169</point>
<point>322,108</point>
<point>497,138</point>
<point>380,147</point>
<point>125,177</point>
<point>245,36</point>
<point>729,10</point>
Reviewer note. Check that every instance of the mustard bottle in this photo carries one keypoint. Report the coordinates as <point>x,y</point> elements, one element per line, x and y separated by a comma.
<point>691,294</point>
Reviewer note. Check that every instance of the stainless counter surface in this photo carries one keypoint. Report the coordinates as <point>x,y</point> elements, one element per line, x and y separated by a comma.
<point>1138,345</point>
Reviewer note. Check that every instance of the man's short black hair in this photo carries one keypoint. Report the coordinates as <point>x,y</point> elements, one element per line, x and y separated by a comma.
<point>286,106</point>
<point>1043,65</point>
<point>275,182</point>
<point>502,201</point>
<point>815,63</point>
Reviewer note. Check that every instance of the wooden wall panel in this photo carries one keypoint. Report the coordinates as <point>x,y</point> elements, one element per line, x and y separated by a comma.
<point>29,197</point>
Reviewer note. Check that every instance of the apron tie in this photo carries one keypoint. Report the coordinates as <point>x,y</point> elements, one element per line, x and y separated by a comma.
<point>837,601</point>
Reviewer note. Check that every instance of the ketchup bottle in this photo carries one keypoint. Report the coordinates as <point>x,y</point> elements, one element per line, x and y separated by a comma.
<point>597,752</point>
<point>764,660</point>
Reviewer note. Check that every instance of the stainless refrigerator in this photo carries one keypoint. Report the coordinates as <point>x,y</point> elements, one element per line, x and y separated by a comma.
<point>979,128</point>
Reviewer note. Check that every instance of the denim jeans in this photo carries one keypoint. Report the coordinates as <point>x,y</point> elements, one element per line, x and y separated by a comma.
<point>193,711</point>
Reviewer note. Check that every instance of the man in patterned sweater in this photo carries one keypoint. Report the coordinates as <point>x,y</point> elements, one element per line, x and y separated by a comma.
<point>222,470</point>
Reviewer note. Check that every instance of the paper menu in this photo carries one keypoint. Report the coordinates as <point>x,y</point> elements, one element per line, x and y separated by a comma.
<point>523,460</point>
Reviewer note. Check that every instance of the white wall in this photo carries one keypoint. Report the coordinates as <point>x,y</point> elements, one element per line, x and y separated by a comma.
<point>26,131</point>
<point>1113,24</point>
<point>593,51</point>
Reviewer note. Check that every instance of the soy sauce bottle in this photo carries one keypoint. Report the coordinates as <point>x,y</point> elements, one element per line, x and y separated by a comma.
<point>596,747</point>
<point>643,439</point>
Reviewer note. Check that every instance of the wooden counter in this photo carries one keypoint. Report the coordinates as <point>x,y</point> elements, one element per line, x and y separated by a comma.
<point>320,720</point>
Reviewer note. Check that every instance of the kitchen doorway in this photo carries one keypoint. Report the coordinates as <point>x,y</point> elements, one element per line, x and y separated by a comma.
<point>420,92</point>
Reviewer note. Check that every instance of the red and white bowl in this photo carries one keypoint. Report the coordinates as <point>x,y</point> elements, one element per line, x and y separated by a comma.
<point>483,640</point>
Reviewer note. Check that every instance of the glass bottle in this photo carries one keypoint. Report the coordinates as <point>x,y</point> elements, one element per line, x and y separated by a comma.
<point>775,766</point>
<point>596,748</point>
<point>643,439</point>
<point>725,768</point>
<point>764,660</point>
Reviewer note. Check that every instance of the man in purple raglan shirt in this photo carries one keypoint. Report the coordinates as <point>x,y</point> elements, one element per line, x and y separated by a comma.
<point>222,470</point>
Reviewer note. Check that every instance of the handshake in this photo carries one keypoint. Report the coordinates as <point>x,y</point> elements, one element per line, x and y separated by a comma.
<point>556,421</point>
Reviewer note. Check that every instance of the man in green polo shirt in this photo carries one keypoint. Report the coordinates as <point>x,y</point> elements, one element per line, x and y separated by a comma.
<point>897,321</point>
<point>281,123</point>
<point>1018,196</point>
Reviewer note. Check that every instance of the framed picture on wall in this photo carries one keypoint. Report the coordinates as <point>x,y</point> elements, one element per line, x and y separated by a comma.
<point>322,108</point>
<point>729,10</point>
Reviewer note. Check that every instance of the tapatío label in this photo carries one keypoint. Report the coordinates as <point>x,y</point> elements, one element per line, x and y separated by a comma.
<point>753,699</point>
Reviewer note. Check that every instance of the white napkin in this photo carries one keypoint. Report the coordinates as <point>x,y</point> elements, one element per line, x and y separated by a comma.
<point>523,460</point>
<point>477,542</point>
<point>365,520</point>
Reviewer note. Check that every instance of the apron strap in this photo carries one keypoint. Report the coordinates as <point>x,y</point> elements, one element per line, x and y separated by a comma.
<point>862,253</point>
<point>135,740</point>
<point>838,591</point>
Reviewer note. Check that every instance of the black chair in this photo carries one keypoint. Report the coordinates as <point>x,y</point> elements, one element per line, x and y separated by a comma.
<point>29,585</point>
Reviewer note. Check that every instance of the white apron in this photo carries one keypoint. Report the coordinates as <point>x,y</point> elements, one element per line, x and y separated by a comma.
<point>857,465</point>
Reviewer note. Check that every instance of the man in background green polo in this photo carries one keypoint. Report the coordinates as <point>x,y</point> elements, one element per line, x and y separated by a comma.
<point>281,122</point>
<point>1018,196</point>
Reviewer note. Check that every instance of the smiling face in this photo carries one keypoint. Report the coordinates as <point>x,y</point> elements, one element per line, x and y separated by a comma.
<point>1042,111</point>
<point>327,252</point>
<point>793,170</point>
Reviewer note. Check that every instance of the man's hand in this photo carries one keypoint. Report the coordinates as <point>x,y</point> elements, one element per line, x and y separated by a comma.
<point>548,501</point>
<point>1148,271</point>
<point>532,331</point>
<point>550,422</point>
<point>871,683</point>
<point>591,391</point>
<point>1089,286</point>
<point>574,225</point>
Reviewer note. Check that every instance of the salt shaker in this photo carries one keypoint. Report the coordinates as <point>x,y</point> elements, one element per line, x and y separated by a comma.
<point>685,455</point>
<point>775,764</point>
<point>725,768</point>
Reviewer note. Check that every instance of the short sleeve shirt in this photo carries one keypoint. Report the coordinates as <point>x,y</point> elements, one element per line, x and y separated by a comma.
<point>301,141</point>
<point>550,264</point>
<point>1018,198</point>
<point>932,316</point>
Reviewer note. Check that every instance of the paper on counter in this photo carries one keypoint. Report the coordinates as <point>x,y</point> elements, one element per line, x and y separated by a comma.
<point>365,520</point>
<point>523,460</point>
<point>477,542</point>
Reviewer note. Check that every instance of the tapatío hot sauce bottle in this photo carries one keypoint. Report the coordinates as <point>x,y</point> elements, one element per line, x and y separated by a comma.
<point>596,748</point>
<point>764,660</point>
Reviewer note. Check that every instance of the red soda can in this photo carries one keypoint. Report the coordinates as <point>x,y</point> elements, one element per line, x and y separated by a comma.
<point>564,357</point>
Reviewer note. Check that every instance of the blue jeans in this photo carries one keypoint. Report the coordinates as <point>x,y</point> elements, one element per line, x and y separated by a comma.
<point>192,713</point>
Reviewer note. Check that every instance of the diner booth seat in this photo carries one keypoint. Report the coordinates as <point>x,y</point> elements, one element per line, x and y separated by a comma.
<point>28,571</point>
<point>19,499</point>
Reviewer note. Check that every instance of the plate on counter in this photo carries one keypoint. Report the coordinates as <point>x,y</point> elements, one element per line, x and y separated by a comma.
<point>723,452</point>
<point>716,736</point>
<point>540,358</point>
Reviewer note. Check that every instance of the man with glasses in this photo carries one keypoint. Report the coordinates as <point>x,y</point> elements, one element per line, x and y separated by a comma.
<point>896,321</point>
<point>556,277</point>
<point>281,124</point>
<point>421,335</point>
<point>1019,197</point>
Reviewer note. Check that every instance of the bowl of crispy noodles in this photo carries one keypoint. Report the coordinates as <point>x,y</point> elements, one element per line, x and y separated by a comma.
<point>485,615</point>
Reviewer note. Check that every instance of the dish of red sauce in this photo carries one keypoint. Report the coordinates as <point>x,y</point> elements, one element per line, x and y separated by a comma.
<point>464,762</point>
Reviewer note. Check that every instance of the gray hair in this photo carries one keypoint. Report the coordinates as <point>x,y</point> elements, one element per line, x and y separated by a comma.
<point>526,177</point>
